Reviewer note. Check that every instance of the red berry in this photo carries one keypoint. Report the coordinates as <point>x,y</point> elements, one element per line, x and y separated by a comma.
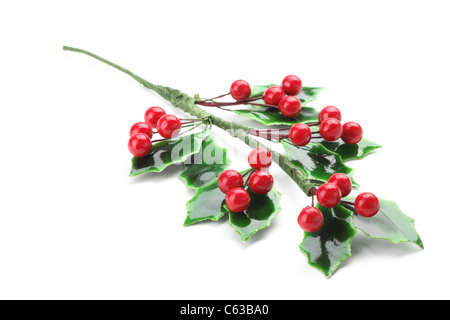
<point>261,182</point>
<point>329,112</point>
<point>290,106</point>
<point>343,182</point>
<point>310,219</point>
<point>273,95</point>
<point>367,204</point>
<point>292,85</point>
<point>328,195</point>
<point>141,127</point>
<point>330,129</point>
<point>351,133</point>
<point>139,145</point>
<point>237,200</point>
<point>169,126</point>
<point>300,134</point>
<point>153,114</point>
<point>240,90</point>
<point>230,179</point>
<point>260,158</point>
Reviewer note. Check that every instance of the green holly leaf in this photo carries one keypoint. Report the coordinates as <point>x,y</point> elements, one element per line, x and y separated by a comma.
<point>351,151</point>
<point>327,248</point>
<point>208,203</point>
<point>309,94</point>
<point>166,153</point>
<point>390,223</point>
<point>316,161</point>
<point>272,116</point>
<point>205,166</point>
<point>262,209</point>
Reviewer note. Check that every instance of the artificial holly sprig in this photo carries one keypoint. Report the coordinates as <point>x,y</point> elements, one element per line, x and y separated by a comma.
<point>309,166</point>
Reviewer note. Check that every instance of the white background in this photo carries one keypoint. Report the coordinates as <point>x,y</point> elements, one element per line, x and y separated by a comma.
<point>73,225</point>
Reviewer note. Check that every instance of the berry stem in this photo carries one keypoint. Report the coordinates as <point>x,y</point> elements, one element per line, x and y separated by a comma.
<point>218,97</point>
<point>313,191</point>
<point>217,104</point>
<point>248,178</point>
<point>189,104</point>
<point>193,127</point>
<point>347,202</point>
<point>192,120</point>
<point>272,135</point>
<point>187,125</point>
<point>262,105</point>
<point>247,172</point>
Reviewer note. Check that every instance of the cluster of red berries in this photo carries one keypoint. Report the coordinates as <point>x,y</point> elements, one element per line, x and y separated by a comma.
<point>330,129</point>
<point>141,133</point>
<point>283,97</point>
<point>260,181</point>
<point>329,195</point>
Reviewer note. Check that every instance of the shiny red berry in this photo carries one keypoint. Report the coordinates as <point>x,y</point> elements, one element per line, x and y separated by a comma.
<point>273,95</point>
<point>300,134</point>
<point>139,145</point>
<point>310,219</point>
<point>237,199</point>
<point>230,179</point>
<point>351,133</point>
<point>367,204</point>
<point>290,106</point>
<point>329,112</point>
<point>328,195</point>
<point>261,182</point>
<point>169,126</point>
<point>240,90</point>
<point>153,114</point>
<point>141,127</point>
<point>343,182</point>
<point>260,158</point>
<point>292,85</point>
<point>330,129</point>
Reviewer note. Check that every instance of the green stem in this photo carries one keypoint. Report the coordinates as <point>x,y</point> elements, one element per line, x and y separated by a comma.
<point>188,104</point>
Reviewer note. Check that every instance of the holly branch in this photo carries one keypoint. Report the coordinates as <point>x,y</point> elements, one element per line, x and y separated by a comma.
<point>317,168</point>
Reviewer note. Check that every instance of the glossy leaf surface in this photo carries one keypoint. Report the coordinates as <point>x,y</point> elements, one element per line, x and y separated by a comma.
<point>205,166</point>
<point>166,153</point>
<point>317,162</point>
<point>327,248</point>
<point>208,203</point>
<point>390,223</point>
<point>262,209</point>
<point>351,151</point>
